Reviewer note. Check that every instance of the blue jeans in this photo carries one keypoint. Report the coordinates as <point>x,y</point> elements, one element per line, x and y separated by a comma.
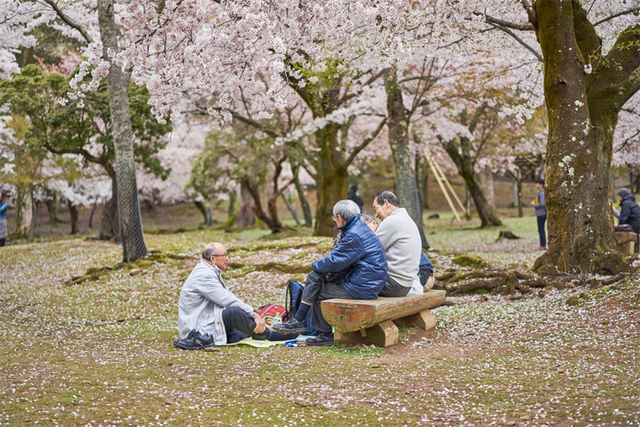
<point>543,235</point>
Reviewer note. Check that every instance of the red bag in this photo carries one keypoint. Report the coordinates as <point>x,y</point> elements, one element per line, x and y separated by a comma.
<point>269,312</point>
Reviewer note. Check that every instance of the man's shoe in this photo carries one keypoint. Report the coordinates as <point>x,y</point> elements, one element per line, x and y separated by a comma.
<point>322,339</point>
<point>291,326</point>
<point>195,341</point>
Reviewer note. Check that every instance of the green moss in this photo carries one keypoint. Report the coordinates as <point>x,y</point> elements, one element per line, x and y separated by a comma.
<point>472,261</point>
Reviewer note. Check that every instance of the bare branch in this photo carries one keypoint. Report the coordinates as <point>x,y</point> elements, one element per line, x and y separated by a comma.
<point>70,22</point>
<point>518,39</point>
<point>634,10</point>
<point>364,143</point>
<point>506,24</point>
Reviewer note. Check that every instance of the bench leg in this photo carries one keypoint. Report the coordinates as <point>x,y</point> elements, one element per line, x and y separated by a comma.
<point>423,320</point>
<point>627,248</point>
<point>384,334</point>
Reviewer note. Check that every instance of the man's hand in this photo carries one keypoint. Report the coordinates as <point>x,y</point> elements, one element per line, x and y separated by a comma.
<point>260,325</point>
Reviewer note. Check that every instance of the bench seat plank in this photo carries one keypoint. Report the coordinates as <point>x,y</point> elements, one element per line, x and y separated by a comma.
<point>348,315</point>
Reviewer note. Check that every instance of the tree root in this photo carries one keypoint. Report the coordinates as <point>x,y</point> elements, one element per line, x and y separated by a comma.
<point>508,282</point>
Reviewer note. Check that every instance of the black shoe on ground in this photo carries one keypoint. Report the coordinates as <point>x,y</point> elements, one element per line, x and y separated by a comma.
<point>195,341</point>
<point>291,326</point>
<point>322,339</point>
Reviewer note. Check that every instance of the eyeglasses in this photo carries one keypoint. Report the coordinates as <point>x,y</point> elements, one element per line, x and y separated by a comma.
<point>224,254</point>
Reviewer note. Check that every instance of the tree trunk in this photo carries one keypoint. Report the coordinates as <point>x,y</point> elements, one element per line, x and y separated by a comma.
<point>233,196</point>
<point>486,178</point>
<point>270,216</point>
<point>306,207</point>
<point>462,157</point>
<point>34,215</point>
<point>73,212</point>
<point>290,203</point>
<point>246,216</point>
<point>331,179</point>
<point>109,228</point>
<point>93,211</point>
<point>425,186</point>
<point>519,196</point>
<point>133,244</point>
<point>398,124</point>
<point>205,210</point>
<point>52,207</point>
<point>582,110</point>
<point>24,211</point>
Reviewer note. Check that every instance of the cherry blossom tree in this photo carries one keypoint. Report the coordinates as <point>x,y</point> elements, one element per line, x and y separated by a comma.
<point>591,65</point>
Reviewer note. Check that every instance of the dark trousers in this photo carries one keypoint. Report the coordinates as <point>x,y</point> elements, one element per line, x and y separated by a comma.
<point>543,235</point>
<point>236,319</point>
<point>394,289</point>
<point>2,241</point>
<point>318,288</point>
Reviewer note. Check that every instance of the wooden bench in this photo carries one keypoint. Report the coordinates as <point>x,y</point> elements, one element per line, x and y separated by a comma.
<point>627,242</point>
<point>375,321</point>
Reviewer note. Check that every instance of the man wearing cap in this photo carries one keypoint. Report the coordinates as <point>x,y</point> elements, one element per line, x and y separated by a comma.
<point>629,210</point>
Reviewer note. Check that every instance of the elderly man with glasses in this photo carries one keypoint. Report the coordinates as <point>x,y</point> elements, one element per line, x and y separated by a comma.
<point>356,268</point>
<point>209,313</point>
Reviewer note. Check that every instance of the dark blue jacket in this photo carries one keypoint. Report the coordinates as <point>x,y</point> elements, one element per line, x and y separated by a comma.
<point>630,213</point>
<point>361,254</point>
<point>426,268</point>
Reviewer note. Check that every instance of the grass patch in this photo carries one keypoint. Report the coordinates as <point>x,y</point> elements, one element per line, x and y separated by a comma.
<point>100,352</point>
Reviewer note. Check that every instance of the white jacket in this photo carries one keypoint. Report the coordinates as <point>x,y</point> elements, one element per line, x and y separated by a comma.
<point>202,299</point>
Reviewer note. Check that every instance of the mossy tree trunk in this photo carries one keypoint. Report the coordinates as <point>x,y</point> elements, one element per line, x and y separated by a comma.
<point>582,109</point>
<point>398,124</point>
<point>246,215</point>
<point>332,159</point>
<point>331,179</point>
<point>133,244</point>
<point>73,212</point>
<point>204,206</point>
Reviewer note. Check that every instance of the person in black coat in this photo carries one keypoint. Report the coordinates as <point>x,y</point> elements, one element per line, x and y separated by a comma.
<point>629,210</point>
<point>355,196</point>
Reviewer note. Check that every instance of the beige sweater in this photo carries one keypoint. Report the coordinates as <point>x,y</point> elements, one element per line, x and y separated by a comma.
<point>401,241</point>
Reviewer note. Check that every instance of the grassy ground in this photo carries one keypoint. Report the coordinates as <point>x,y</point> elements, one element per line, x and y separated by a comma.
<point>99,352</point>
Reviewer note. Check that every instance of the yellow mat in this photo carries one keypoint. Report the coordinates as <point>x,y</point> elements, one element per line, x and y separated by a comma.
<point>259,343</point>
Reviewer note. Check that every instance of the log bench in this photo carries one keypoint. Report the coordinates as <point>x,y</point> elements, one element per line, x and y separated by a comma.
<point>627,242</point>
<point>375,321</point>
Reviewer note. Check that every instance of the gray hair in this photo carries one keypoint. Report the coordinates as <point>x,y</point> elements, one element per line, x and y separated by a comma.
<point>367,217</point>
<point>346,208</point>
<point>389,197</point>
<point>210,249</point>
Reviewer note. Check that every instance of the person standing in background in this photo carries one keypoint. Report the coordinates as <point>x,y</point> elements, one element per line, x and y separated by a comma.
<point>4,206</point>
<point>541,213</point>
<point>355,196</point>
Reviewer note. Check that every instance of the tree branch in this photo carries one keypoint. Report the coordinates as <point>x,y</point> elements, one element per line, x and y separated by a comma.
<point>70,22</point>
<point>518,39</point>
<point>634,10</point>
<point>364,143</point>
<point>505,24</point>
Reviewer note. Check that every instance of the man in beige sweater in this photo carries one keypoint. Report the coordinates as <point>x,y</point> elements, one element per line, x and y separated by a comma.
<point>400,238</point>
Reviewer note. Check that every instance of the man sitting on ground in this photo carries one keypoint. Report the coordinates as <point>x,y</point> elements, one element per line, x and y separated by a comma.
<point>355,269</point>
<point>400,238</point>
<point>209,313</point>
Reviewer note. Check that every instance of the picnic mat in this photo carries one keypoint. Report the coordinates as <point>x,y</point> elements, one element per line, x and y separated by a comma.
<point>260,343</point>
